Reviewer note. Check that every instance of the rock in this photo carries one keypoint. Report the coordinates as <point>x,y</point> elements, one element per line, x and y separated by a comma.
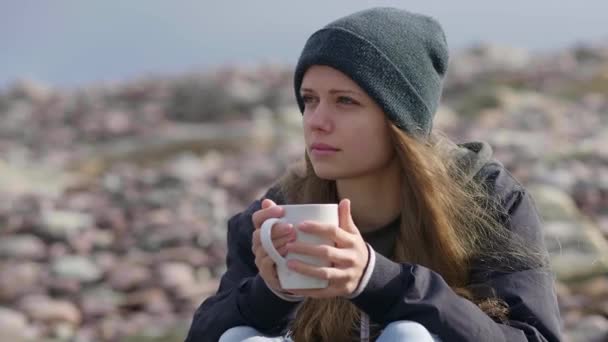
<point>16,180</point>
<point>19,278</point>
<point>186,166</point>
<point>186,254</point>
<point>196,293</point>
<point>31,90</point>
<point>590,329</point>
<point>14,326</point>
<point>22,247</point>
<point>57,249</point>
<point>63,286</point>
<point>109,328</point>
<point>86,333</point>
<point>152,300</point>
<point>178,277</point>
<point>62,224</point>
<point>100,301</point>
<point>164,236</point>
<point>63,331</point>
<point>76,267</point>
<point>602,222</point>
<point>117,122</point>
<point>203,274</point>
<point>575,244</point>
<point>594,288</point>
<point>91,239</point>
<point>45,309</point>
<point>145,327</point>
<point>128,276</point>
<point>166,143</point>
<point>445,119</point>
<point>105,260</point>
<point>575,249</point>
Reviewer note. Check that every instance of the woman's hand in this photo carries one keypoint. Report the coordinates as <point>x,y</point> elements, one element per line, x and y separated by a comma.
<point>281,234</point>
<point>348,256</point>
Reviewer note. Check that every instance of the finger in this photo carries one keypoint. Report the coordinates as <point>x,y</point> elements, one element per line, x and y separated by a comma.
<point>278,243</point>
<point>327,231</point>
<point>283,250</point>
<point>330,253</point>
<point>266,203</point>
<point>267,264</point>
<point>269,274</point>
<point>259,251</point>
<point>346,218</point>
<point>255,240</point>
<point>281,230</point>
<point>263,214</point>
<point>324,273</point>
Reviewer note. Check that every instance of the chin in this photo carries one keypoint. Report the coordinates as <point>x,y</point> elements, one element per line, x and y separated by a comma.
<point>332,173</point>
<point>327,173</point>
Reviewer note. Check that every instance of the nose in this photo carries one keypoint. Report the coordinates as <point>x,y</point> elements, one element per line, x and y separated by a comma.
<point>318,118</point>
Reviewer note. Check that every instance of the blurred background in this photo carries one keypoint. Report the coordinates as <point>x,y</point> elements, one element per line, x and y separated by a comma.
<point>131,131</point>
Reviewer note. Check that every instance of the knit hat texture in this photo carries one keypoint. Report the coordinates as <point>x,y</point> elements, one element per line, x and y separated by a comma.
<point>398,57</point>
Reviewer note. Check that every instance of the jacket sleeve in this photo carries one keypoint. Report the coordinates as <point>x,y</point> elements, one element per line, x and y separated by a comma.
<point>242,297</point>
<point>401,291</point>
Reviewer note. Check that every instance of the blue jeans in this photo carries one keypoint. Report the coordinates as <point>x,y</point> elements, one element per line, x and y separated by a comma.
<point>396,331</point>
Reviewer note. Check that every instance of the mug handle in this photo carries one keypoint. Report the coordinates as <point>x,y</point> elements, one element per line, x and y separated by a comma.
<point>266,239</point>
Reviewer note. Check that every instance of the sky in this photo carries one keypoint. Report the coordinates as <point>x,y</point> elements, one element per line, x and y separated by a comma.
<point>69,43</point>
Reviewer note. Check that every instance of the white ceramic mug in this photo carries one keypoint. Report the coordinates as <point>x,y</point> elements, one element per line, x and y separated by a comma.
<point>294,214</point>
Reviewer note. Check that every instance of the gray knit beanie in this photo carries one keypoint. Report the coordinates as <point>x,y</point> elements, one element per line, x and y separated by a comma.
<point>399,58</point>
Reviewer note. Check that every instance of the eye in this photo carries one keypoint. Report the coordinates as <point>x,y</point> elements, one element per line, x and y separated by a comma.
<point>346,100</point>
<point>307,98</point>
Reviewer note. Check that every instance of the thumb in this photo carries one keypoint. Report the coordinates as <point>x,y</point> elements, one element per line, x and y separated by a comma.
<point>346,219</point>
<point>267,203</point>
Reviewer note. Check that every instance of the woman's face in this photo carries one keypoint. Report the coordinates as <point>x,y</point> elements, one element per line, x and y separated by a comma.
<point>340,114</point>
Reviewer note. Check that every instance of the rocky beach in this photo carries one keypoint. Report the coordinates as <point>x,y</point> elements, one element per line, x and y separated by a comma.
<point>114,198</point>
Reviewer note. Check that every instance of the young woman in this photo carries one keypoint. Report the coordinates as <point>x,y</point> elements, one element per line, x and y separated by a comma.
<point>436,242</point>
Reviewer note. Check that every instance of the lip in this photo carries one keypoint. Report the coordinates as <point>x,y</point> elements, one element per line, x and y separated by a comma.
<point>323,147</point>
<point>321,150</point>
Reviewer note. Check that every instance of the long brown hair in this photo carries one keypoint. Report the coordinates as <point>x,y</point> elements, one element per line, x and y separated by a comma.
<point>447,220</point>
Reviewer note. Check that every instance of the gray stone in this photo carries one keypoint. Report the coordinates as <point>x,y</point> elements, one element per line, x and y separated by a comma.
<point>19,278</point>
<point>14,326</point>
<point>17,179</point>
<point>62,224</point>
<point>44,309</point>
<point>100,301</point>
<point>153,300</point>
<point>590,329</point>
<point>128,276</point>
<point>76,267</point>
<point>176,275</point>
<point>576,245</point>
<point>22,247</point>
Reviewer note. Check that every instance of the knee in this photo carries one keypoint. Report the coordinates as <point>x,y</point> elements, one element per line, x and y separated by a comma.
<point>239,334</point>
<point>409,331</point>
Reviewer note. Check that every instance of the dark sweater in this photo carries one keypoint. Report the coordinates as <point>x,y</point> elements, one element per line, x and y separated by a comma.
<point>402,291</point>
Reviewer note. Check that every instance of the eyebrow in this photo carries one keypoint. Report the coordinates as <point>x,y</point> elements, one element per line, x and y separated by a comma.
<point>334,91</point>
